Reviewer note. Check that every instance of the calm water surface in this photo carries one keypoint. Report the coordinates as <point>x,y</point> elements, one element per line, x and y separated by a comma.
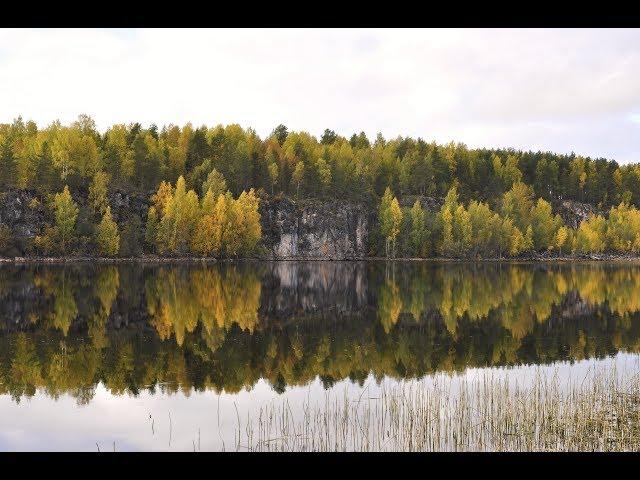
<point>176,357</point>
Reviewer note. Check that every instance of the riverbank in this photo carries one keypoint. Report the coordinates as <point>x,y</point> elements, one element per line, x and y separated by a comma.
<point>154,259</point>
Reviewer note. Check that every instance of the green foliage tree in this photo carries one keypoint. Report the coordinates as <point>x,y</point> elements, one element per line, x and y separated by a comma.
<point>66,214</point>
<point>215,182</point>
<point>107,236</point>
<point>455,226</point>
<point>517,204</point>
<point>419,234</point>
<point>328,137</point>
<point>298,176</point>
<point>485,226</point>
<point>280,133</point>
<point>544,225</point>
<point>7,163</point>
<point>151,227</point>
<point>98,193</point>
<point>273,175</point>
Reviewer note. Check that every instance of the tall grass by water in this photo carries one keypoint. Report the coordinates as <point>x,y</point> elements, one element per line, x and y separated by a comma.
<point>492,411</point>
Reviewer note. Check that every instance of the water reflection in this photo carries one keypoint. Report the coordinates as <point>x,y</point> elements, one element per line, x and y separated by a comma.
<point>67,329</point>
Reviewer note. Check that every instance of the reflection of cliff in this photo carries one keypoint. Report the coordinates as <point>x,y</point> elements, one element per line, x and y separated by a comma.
<point>292,288</point>
<point>224,327</point>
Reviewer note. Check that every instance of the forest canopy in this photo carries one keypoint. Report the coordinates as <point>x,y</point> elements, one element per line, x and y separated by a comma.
<point>496,201</point>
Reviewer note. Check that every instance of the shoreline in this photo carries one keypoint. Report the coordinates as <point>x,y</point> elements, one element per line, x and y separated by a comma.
<point>599,258</point>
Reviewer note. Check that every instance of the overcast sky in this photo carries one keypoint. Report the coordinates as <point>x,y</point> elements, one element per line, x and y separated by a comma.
<point>558,90</point>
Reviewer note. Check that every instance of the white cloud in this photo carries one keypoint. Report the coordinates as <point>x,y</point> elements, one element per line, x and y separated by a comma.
<point>563,90</point>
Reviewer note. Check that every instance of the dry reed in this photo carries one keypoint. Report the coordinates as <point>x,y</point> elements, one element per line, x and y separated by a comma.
<point>599,412</point>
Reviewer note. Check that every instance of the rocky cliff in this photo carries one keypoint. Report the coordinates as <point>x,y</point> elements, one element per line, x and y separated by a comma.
<point>310,229</point>
<point>22,215</point>
<point>306,229</point>
<point>572,212</point>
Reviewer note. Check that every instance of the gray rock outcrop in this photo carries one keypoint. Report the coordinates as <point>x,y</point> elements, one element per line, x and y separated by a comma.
<point>333,230</point>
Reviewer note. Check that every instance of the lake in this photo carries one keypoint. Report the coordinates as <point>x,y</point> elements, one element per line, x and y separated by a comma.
<point>318,355</point>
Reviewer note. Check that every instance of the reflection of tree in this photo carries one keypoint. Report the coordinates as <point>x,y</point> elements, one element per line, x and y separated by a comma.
<point>415,320</point>
<point>227,297</point>
<point>176,309</point>
<point>120,368</point>
<point>24,374</point>
<point>390,304</point>
<point>106,291</point>
<point>72,370</point>
<point>59,284</point>
<point>177,299</point>
<point>106,287</point>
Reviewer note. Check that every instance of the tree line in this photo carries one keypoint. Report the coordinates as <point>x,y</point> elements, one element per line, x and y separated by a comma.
<point>296,163</point>
<point>521,225</point>
<point>139,161</point>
